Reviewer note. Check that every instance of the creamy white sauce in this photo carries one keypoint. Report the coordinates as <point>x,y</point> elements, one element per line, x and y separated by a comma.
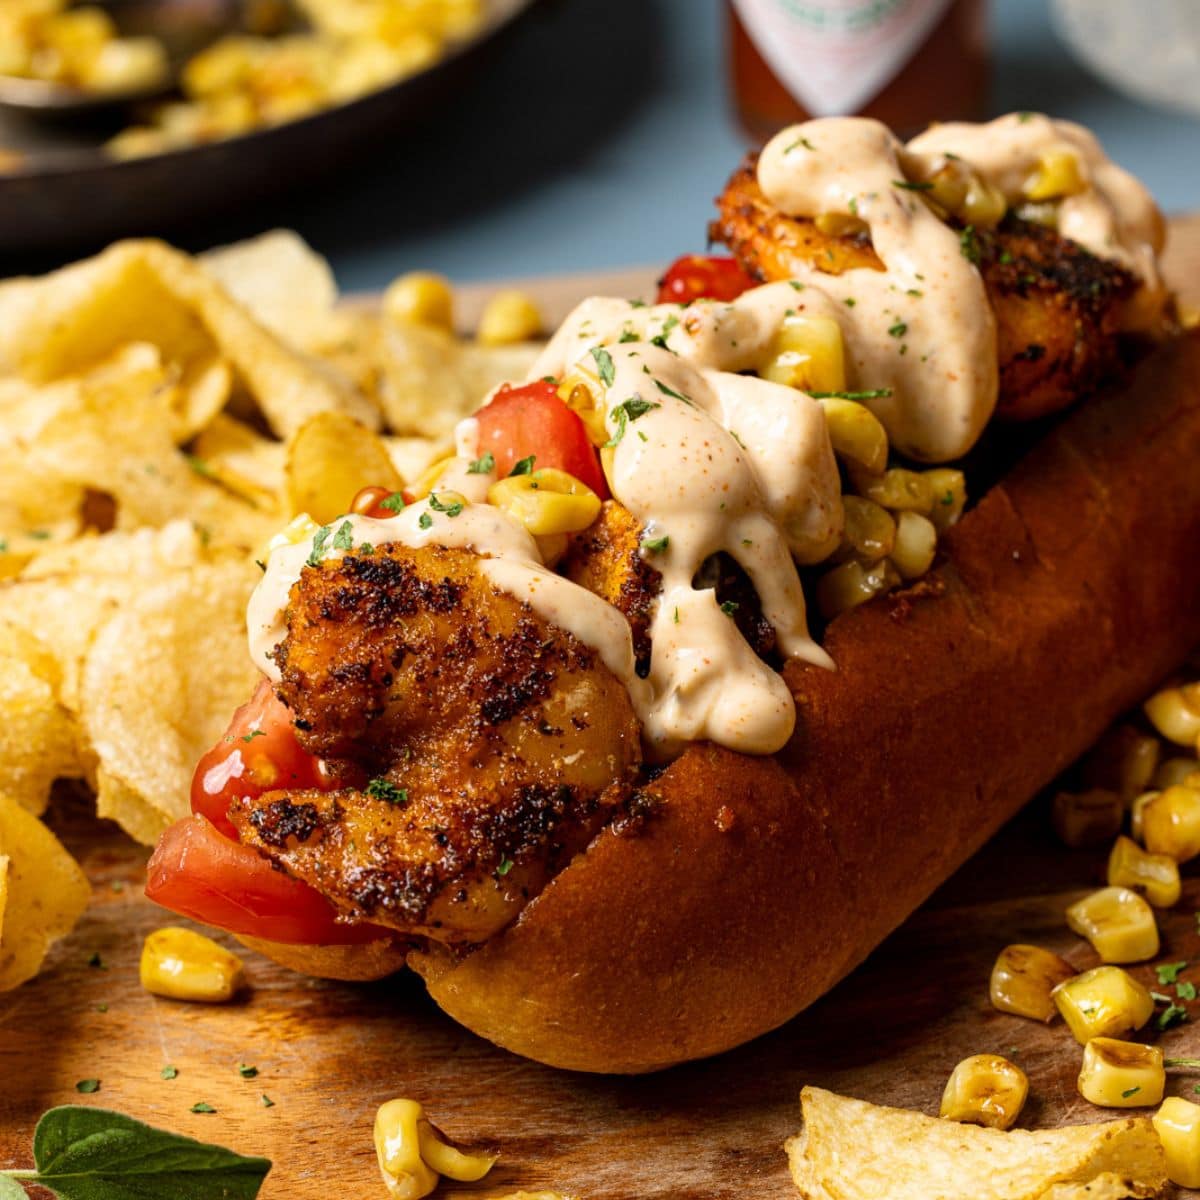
<point>715,460</point>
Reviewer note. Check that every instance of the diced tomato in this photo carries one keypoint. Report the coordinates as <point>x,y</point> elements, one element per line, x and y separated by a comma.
<point>703,277</point>
<point>199,873</point>
<point>258,753</point>
<point>376,502</point>
<point>531,420</point>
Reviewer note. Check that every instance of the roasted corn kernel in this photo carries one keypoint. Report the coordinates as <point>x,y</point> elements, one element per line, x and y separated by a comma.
<point>583,394</point>
<point>1124,760</point>
<point>546,502</point>
<point>420,298</point>
<point>985,1089</point>
<point>868,531</point>
<point>186,965</point>
<point>916,544</point>
<point>1058,174</point>
<point>949,490</point>
<point>1087,818</point>
<point>412,1156</point>
<point>839,224</point>
<point>1154,876</point>
<point>1119,924</point>
<point>1175,713</point>
<point>852,584</point>
<point>897,489</point>
<point>507,318</point>
<point>856,433</point>
<point>948,185</point>
<point>1102,1002</point>
<point>807,353</point>
<point>983,206</point>
<point>1171,823</point>
<point>1120,1074</point>
<point>1177,770</point>
<point>1024,978</point>
<point>1177,1124</point>
<point>299,529</point>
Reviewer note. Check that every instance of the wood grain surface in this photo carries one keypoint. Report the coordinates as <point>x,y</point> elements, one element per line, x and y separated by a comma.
<point>328,1054</point>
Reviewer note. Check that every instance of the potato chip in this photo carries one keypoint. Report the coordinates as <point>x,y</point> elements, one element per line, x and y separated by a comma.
<point>38,738</point>
<point>851,1150</point>
<point>282,282</point>
<point>411,456</point>
<point>4,865</point>
<point>160,680</point>
<point>46,892</point>
<point>328,460</point>
<point>243,460</point>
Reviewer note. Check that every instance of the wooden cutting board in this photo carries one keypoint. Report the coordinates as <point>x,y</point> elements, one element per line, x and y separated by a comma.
<point>328,1054</point>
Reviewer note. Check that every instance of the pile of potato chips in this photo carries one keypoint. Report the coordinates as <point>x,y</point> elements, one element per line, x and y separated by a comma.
<point>161,417</point>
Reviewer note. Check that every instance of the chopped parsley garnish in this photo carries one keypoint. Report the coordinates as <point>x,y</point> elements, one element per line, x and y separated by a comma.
<point>660,338</point>
<point>729,607</point>
<point>1172,1015</point>
<point>97,962</point>
<point>40,535</point>
<point>424,520</point>
<point>898,330</point>
<point>1170,972</point>
<point>485,464</point>
<point>384,789</point>
<point>451,510</point>
<point>947,499</point>
<point>102,1007</point>
<point>1005,257</point>
<point>849,302</point>
<point>262,566</point>
<point>910,186</point>
<point>667,391</point>
<point>344,538</point>
<point>628,335</point>
<point>915,292</point>
<point>366,548</point>
<point>318,546</point>
<point>247,1072</point>
<point>169,1072</point>
<point>199,466</point>
<point>506,865</point>
<point>267,1102</point>
<point>800,142</point>
<point>656,545</point>
<point>1133,1091</point>
<point>637,304</point>
<point>873,394</point>
<point>202,1107</point>
<point>853,206</point>
<point>795,285</point>
<point>968,243</point>
<point>627,411</point>
<point>1025,116</point>
<point>604,364</point>
<point>249,737</point>
<point>88,1086</point>
<point>393,503</point>
<point>523,466</point>
<point>1186,990</point>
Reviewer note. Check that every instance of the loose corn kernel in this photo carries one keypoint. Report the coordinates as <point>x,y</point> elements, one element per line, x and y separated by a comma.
<point>949,489</point>
<point>1102,1002</point>
<point>1024,978</point>
<point>1087,818</point>
<point>186,965</point>
<point>985,1089</point>
<point>1171,823</point>
<point>916,544</point>
<point>420,298</point>
<point>807,353</point>
<point>507,318</point>
<point>1120,1074</point>
<point>1119,924</point>
<point>852,584</point>
<point>411,1155</point>
<point>300,528</point>
<point>583,395</point>
<point>546,502</point>
<point>856,433</point>
<point>833,224</point>
<point>1177,770</point>
<point>1137,815</point>
<point>868,531</point>
<point>1058,174</point>
<point>1177,1124</point>
<point>897,489</point>
<point>427,480</point>
<point>983,206</point>
<point>1154,876</point>
<point>1175,713</point>
<point>949,185</point>
<point>1124,760</point>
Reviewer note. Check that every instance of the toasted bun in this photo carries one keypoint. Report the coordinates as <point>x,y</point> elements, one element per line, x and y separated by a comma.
<point>1067,593</point>
<point>360,962</point>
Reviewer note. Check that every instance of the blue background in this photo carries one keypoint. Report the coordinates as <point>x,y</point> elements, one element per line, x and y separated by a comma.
<point>599,135</point>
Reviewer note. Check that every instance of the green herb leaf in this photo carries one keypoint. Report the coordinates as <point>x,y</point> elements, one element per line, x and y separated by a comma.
<point>393,503</point>
<point>247,1072</point>
<point>849,302</point>
<point>344,538</point>
<point>1186,990</point>
<point>249,737</point>
<point>88,1086</point>
<point>169,1072</point>
<point>796,285</point>
<point>97,962</point>
<point>199,466</point>
<point>424,520</point>
<point>94,1154</point>
<point>873,394</point>
<point>1173,1014</point>
<point>604,364</point>
<point>800,142</point>
<point>485,464</point>
<point>202,1106</point>
<point>660,338</point>
<point>656,545</point>
<point>729,607</point>
<point>667,391</point>
<point>1170,972</point>
<point>968,243</point>
<point>910,186</point>
<point>898,330</point>
<point>318,546</point>
<point>523,466</point>
<point>451,510</point>
<point>267,1102</point>
<point>506,865</point>
<point>384,789</point>
<point>629,410</point>
<point>1133,1091</point>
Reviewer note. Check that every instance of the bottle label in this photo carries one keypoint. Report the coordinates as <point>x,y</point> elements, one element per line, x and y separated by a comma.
<point>835,56</point>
